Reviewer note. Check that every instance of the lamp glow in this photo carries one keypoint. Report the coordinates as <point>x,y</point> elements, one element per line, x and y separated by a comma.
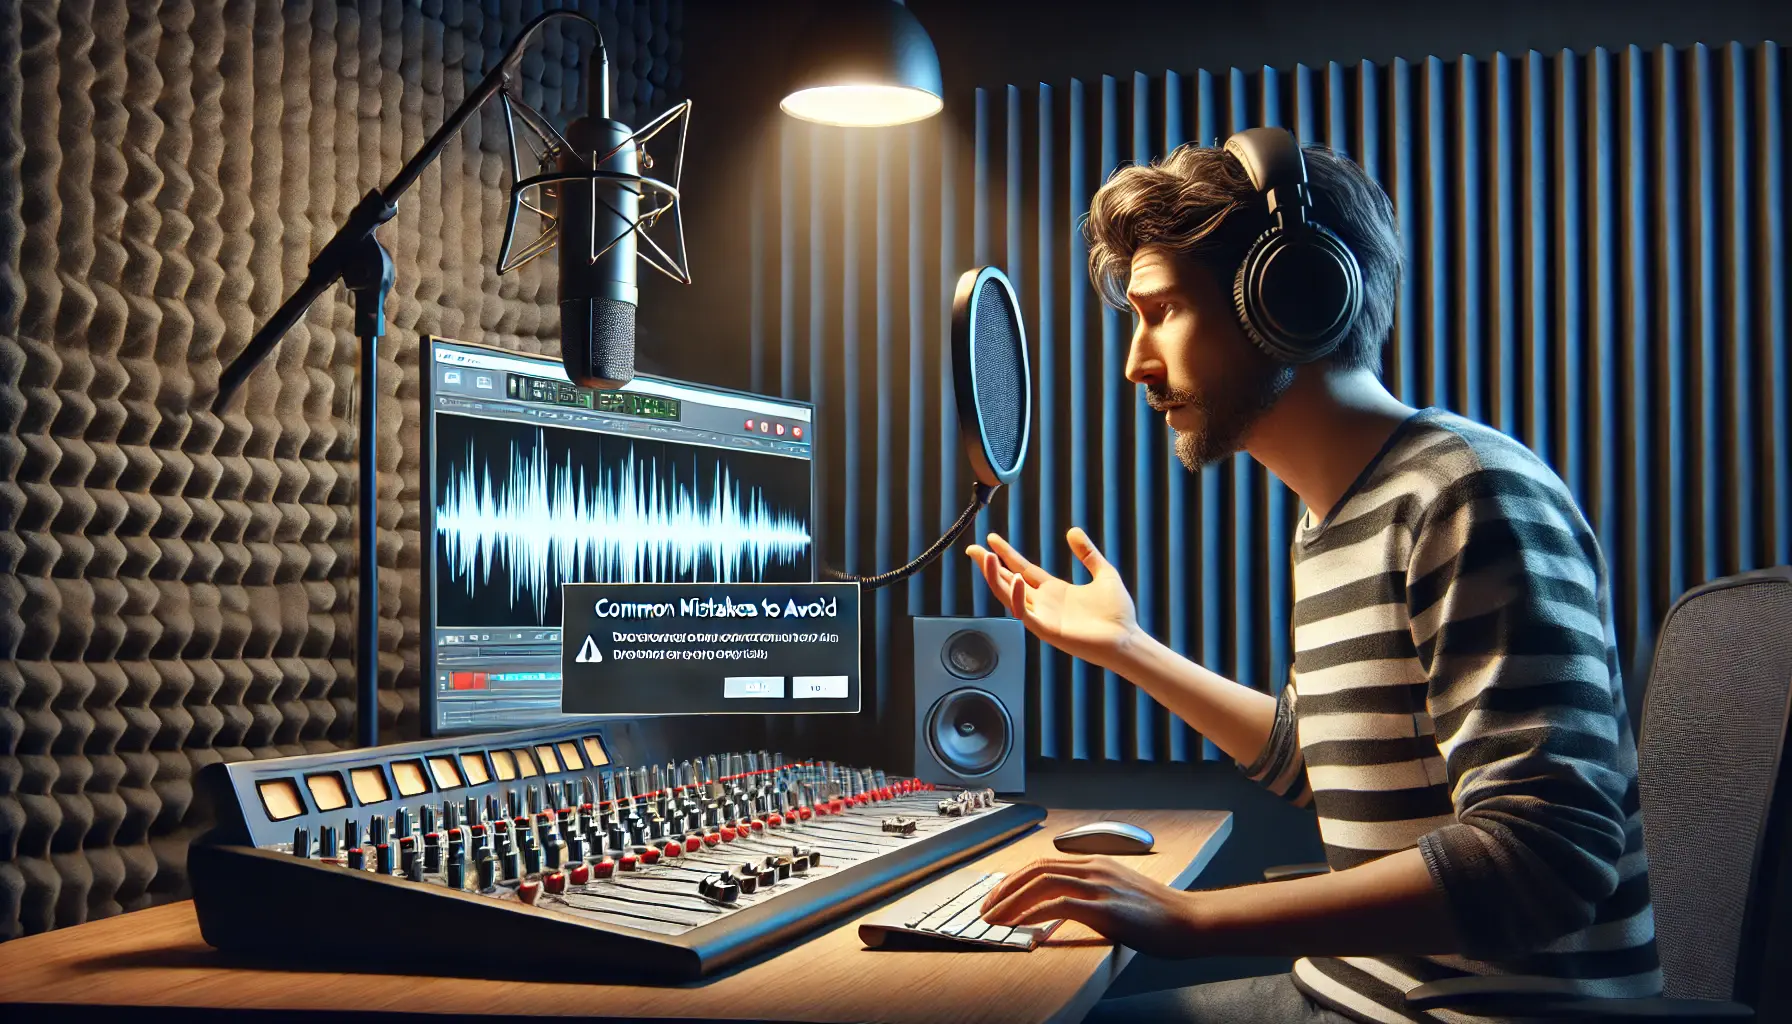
<point>862,63</point>
<point>861,106</point>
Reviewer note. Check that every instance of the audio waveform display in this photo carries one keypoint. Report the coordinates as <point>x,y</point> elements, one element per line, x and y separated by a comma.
<point>521,509</point>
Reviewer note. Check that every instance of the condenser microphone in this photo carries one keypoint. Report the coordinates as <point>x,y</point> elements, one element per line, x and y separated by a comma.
<point>598,285</point>
<point>598,195</point>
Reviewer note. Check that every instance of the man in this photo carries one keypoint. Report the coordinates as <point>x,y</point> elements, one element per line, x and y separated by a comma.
<point>1454,714</point>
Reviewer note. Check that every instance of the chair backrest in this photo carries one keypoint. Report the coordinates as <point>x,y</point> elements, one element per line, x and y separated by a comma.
<point>1713,733</point>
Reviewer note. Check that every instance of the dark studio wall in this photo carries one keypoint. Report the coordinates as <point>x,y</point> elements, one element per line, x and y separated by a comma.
<point>176,587</point>
<point>1592,207</point>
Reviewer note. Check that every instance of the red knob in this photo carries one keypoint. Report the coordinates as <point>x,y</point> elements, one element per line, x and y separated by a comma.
<point>675,848</point>
<point>555,882</point>
<point>774,819</point>
<point>729,835</point>
<point>605,868</point>
<point>627,863</point>
<point>580,874</point>
<point>651,855</point>
<point>528,891</point>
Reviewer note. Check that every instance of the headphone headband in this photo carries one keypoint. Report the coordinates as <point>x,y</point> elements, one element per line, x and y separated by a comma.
<point>1273,161</point>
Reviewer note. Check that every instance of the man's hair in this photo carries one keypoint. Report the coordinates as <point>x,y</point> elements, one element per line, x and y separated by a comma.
<point>1199,203</point>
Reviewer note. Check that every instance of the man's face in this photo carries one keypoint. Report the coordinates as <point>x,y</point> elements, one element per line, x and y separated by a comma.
<point>1198,368</point>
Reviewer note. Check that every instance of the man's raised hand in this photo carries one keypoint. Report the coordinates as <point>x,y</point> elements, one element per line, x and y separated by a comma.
<point>1093,621</point>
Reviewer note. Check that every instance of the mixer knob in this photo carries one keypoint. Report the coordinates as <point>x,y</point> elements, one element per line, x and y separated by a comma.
<point>432,852</point>
<point>413,866</point>
<point>675,848</point>
<point>457,873</point>
<point>656,780</point>
<point>531,859</point>
<point>301,842</point>
<point>404,821</point>
<point>487,871</point>
<point>510,865</point>
<point>579,875</point>
<point>492,810</point>
<point>626,862</point>
<point>800,860</point>
<point>900,826</point>
<point>529,892</point>
<point>427,818</point>
<point>604,868</point>
<point>719,889</point>
<point>779,864</point>
<point>326,841</point>
<point>647,854</point>
<point>376,829</point>
<point>575,849</point>
<point>554,882</point>
<point>693,843</point>
<point>753,877</point>
<point>356,859</point>
<point>382,858</point>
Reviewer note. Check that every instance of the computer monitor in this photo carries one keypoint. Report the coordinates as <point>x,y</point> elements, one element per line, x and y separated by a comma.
<point>530,481</point>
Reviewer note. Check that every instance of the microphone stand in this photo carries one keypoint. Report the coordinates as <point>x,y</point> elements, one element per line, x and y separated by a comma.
<point>356,258</point>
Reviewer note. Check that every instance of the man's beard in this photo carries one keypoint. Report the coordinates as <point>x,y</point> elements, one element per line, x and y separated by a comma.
<point>1227,411</point>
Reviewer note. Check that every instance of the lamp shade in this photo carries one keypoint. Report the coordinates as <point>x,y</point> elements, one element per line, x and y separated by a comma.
<point>864,63</point>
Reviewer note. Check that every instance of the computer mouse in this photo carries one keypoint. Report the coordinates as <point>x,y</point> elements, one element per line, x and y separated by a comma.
<point>1104,837</point>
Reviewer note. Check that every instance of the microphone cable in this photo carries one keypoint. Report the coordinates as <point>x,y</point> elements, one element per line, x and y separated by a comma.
<point>983,493</point>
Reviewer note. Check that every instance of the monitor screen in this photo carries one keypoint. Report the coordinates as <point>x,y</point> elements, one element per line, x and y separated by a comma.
<point>530,481</point>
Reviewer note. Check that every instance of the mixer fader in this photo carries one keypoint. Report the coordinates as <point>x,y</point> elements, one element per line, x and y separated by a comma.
<point>542,851</point>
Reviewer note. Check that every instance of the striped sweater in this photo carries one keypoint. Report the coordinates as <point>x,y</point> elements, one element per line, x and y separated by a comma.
<point>1456,688</point>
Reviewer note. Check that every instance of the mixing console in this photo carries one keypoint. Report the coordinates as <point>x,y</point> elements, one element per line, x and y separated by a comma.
<point>540,850</point>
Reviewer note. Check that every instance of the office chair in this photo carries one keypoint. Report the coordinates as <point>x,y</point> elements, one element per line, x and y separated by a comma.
<point>1715,824</point>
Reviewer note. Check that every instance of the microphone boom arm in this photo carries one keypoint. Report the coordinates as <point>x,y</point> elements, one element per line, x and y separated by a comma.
<point>378,206</point>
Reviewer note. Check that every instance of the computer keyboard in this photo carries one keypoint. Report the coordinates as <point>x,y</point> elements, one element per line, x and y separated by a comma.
<point>926,921</point>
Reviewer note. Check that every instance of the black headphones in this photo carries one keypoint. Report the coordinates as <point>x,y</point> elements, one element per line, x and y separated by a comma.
<point>1299,288</point>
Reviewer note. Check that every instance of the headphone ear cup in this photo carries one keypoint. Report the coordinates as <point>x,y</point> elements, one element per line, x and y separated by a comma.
<point>1245,299</point>
<point>1297,293</point>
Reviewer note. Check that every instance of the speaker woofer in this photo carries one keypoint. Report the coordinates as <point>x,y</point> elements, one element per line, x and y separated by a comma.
<point>969,732</point>
<point>969,654</point>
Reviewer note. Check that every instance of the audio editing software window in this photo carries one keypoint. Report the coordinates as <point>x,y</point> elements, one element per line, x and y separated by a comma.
<point>532,482</point>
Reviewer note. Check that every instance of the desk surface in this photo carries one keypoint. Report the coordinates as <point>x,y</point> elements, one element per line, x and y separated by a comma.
<point>155,958</point>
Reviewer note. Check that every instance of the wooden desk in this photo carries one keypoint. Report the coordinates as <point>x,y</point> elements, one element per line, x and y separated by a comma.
<point>156,959</point>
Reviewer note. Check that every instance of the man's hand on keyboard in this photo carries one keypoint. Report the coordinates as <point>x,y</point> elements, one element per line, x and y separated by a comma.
<point>1116,901</point>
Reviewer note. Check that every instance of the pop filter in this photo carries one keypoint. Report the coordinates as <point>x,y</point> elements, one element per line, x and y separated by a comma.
<point>990,376</point>
<point>993,388</point>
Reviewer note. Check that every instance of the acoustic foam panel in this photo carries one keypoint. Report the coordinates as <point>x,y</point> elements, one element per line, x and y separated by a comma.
<point>177,588</point>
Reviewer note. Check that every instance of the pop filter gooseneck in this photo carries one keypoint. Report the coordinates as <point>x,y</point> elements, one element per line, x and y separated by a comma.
<point>992,385</point>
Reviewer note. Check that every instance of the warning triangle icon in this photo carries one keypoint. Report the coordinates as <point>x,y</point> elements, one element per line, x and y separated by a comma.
<point>589,654</point>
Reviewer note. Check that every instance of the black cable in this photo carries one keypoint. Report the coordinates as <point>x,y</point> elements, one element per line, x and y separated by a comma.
<point>980,501</point>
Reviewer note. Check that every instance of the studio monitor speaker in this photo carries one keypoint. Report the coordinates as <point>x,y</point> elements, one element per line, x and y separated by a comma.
<point>970,679</point>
